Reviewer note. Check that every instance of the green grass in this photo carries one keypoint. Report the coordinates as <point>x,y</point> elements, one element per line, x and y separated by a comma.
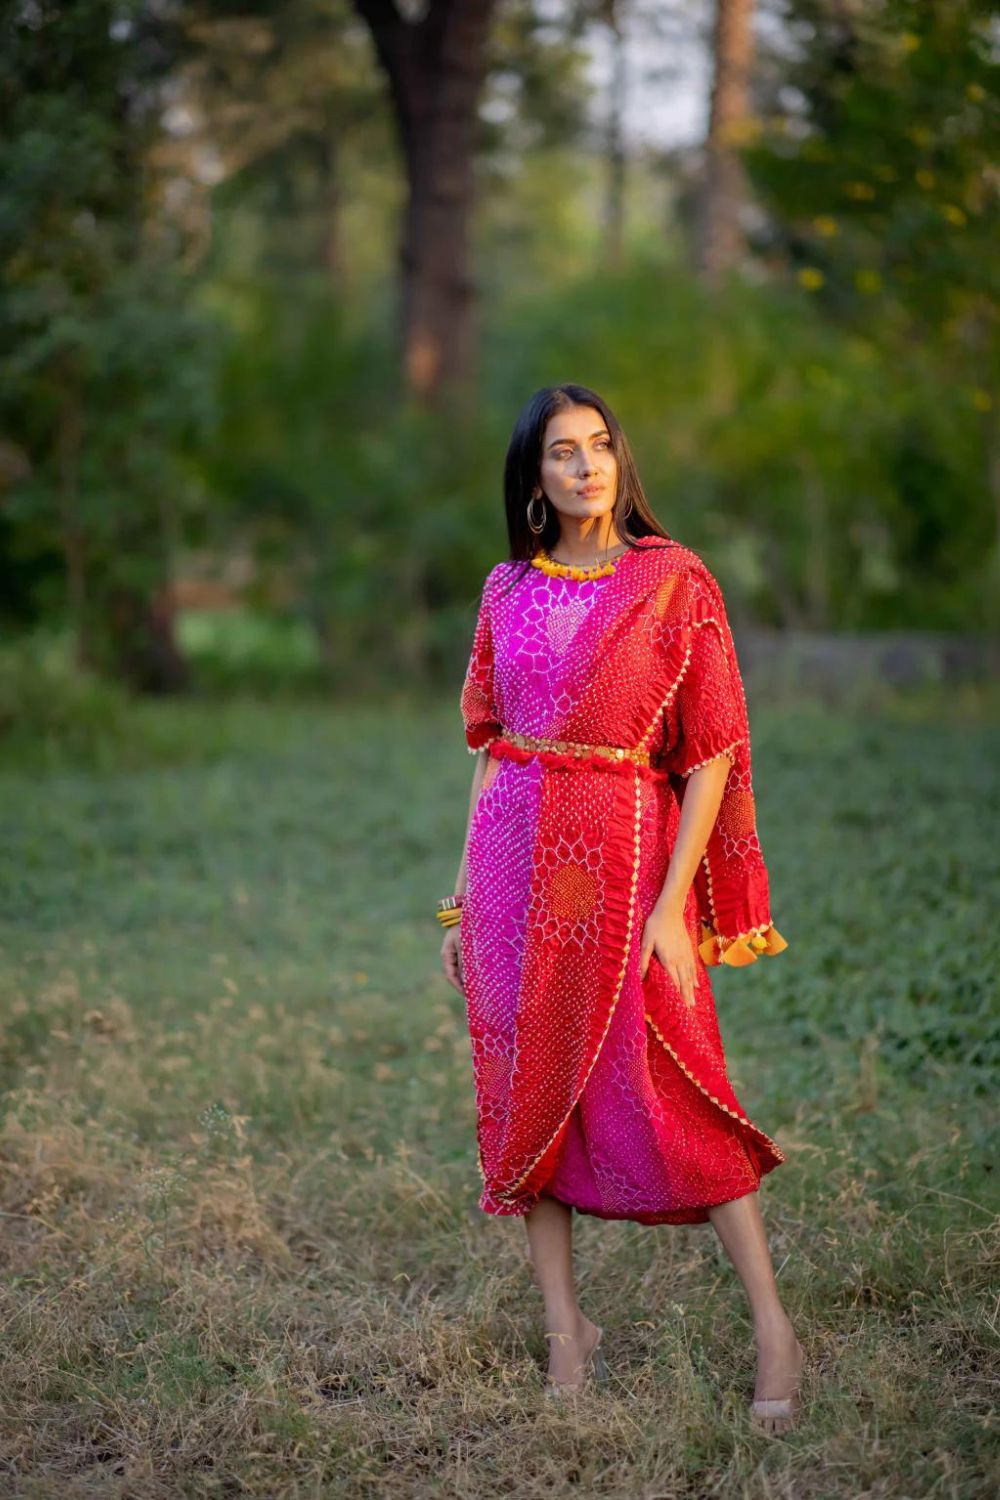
<point>241,1252</point>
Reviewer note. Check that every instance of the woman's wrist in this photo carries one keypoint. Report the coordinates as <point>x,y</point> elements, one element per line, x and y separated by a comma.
<point>449,910</point>
<point>670,903</point>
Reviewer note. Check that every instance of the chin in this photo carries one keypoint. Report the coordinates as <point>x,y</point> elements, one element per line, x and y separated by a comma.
<point>592,507</point>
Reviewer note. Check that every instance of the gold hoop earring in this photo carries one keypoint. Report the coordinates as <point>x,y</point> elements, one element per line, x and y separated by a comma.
<point>540,526</point>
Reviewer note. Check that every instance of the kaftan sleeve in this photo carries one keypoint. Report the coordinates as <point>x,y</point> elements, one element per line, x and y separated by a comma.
<point>478,707</point>
<point>707,716</point>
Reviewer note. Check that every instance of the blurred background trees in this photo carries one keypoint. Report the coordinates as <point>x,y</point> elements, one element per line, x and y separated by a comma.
<point>276,277</point>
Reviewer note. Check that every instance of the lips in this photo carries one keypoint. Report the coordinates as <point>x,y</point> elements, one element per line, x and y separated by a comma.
<point>591,489</point>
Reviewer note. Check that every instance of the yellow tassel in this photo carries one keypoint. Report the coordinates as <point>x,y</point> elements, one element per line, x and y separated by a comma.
<point>709,949</point>
<point>739,951</point>
<point>739,954</point>
<point>775,942</point>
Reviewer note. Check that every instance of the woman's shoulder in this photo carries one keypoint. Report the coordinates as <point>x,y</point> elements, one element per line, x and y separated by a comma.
<point>672,558</point>
<point>502,573</point>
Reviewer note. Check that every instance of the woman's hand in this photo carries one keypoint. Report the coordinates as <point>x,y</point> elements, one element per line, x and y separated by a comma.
<point>666,935</point>
<point>451,958</point>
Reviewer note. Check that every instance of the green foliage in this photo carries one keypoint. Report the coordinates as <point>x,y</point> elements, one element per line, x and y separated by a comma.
<point>880,168</point>
<point>790,451</point>
<point>105,377</point>
<point>51,712</point>
<point>876,162</point>
<point>222,380</point>
<point>243,651</point>
<point>369,518</point>
<point>813,469</point>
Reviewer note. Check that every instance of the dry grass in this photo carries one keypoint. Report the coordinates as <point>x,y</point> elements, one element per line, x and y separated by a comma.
<point>241,1254</point>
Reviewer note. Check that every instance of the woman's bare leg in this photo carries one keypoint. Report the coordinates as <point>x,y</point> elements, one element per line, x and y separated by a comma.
<point>779,1355</point>
<point>550,1241</point>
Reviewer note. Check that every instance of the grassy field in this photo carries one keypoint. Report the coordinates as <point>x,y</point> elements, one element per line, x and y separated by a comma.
<point>241,1253</point>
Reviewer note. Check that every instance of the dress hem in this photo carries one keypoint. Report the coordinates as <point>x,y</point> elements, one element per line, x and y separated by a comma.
<point>695,1214</point>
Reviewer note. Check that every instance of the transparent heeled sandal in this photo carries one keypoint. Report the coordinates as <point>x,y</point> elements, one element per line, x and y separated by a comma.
<point>595,1370</point>
<point>776,1415</point>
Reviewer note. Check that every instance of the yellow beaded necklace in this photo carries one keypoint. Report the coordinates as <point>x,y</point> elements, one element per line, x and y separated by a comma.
<point>546,563</point>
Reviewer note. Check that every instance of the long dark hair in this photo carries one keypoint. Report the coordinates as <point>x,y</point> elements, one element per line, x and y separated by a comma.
<point>522,463</point>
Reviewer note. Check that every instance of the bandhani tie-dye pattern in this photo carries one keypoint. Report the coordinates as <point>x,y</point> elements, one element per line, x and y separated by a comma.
<point>593,1085</point>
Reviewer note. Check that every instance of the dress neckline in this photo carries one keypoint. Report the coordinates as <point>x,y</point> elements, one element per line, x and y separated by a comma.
<point>545,563</point>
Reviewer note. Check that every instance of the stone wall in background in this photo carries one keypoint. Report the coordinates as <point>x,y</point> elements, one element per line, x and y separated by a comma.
<point>838,666</point>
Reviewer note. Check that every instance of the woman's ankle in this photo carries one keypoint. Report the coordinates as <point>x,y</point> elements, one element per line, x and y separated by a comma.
<point>773,1324</point>
<point>567,1321</point>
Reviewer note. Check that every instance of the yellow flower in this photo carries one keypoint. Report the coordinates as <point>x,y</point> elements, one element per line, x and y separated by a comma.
<point>811,278</point>
<point>925,179</point>
<point>975,92</point>
<point>909,41</point>
<point>981,400</point>
<point>862,192</point>
<point>953,214</point>
<point>826,226</point>
<point>868,282</point>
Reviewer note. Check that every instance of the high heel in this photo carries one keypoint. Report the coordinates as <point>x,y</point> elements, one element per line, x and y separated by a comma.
<point>595,1370</point>
<point>776,1415</point>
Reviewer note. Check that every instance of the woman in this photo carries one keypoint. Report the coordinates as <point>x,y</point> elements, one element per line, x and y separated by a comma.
<point>611,856</point>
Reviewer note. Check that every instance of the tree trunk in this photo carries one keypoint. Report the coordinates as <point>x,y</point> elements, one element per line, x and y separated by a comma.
<point>614,204</point>
<point>720,233</point>
<point>435,70</point>
<point>145,654</point>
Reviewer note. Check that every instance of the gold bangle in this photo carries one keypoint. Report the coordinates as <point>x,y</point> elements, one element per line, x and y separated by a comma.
<point>449,910</point>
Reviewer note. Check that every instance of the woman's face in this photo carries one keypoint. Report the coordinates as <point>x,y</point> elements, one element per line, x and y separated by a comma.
<point>578,469</point>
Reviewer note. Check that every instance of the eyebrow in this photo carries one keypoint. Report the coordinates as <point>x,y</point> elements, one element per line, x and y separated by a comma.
<point>557,442</point>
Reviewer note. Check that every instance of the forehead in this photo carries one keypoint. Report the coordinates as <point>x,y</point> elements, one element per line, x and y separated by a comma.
<point>576,422</point>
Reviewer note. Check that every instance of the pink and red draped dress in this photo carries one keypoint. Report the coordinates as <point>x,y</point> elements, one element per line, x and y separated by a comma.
<point>594,1085</point>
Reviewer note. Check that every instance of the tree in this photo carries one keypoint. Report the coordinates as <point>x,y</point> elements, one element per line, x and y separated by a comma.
<point>101,375</point>
<point>877,165</point>
<point>280,98</point>
<point>720,238</point>
<point>435,67</point>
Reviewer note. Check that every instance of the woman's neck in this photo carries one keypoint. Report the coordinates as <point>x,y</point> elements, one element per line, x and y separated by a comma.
<point>581,545</point>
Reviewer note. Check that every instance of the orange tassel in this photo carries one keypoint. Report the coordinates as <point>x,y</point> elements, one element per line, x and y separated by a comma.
<point>739,951</point>
<point>709,949</point>
<point>775,942</point>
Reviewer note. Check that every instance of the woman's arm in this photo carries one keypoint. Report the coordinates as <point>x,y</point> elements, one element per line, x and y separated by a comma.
<point>665,933</point>
<point>451,947</point>
<point>479,771</point>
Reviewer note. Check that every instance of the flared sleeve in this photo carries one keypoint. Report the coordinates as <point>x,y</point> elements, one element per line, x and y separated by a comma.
<point>478,707</point>
<point>707,718</point>
<point>708,715</point>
